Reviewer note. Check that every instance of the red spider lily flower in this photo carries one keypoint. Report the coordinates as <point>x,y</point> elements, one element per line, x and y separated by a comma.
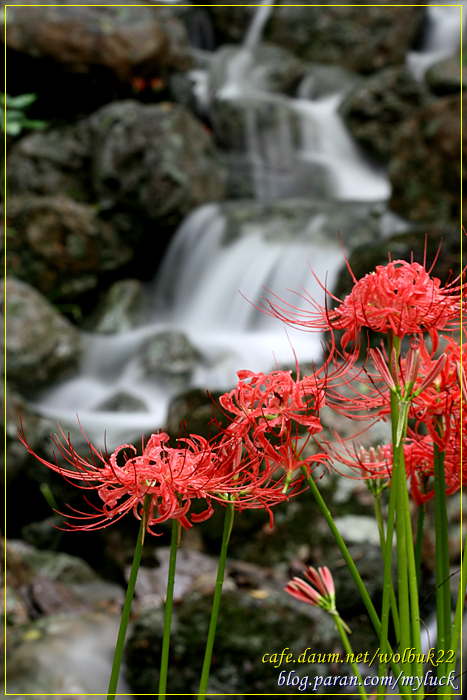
<point>437,392</point>
<point>251,479</point>
<point>267,412</point>
<point>399,298</point>
<point>173,476</point>
<point>321,594</point>
<point>272,401</point>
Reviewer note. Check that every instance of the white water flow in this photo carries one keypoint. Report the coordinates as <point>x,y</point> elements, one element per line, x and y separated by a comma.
<point>215,265</point>
<point>442,38</point>
<point>256,27</point>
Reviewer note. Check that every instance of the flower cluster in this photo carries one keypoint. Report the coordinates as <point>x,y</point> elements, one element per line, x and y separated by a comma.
<point>252,464</point>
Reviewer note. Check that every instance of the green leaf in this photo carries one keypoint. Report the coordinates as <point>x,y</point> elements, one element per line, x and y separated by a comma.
<point>20,101</point>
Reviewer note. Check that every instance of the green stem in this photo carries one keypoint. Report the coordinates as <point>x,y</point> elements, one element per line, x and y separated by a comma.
<point>168,609</point>
<point>128,600</point>
<point>388,586</point>
<point>228,522</point>
<point>349,651</point>
<point>348,560</point>
<point>443,593</point>
<point>382,539</point>
<point>419,539</point>
<point>456,629</point>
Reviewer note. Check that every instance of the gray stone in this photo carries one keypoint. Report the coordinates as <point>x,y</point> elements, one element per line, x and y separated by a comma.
<point>120,39</point>
<point>445,77</point>
<point>361,38</point>
<point>41,345</point>
<point>156,159</point>
<point>375,109</point>
<point>169,353</point>
<point>425,167</point>
<point>122,402</point>
<point>60,246</point>
<point>121,308</point>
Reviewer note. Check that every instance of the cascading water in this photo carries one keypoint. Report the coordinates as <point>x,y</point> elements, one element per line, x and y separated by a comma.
<point>208,264</point>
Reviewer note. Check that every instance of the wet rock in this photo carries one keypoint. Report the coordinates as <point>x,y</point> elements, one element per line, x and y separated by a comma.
<point>123,40</point>
<point>244,116</point>
<point>60,246</point>
<point>122,402</point>
<point>445,77</point>
<point>375,109</point>
<point>169,353</point>
<point>65,654</point>
<point>194,410</point>
<point>52,162</point>
<point>321,80</point>
<point>121,308</point>
<point>154,158</point>
<point>36,428</point>
<point>362,38</point>
<point>146,161</point>
<point>41,345</point>
<point>424,169</point>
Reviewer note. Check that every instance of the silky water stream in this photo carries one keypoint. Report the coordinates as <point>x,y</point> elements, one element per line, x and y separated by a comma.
<point>215,271</point>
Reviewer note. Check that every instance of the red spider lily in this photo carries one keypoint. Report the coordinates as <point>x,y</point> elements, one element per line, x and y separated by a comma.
<point>173,476</point>
<point>272,401</point>
<point>437,403</point>
<point>251,481</point>
<point>322,594</point>
<point>268,410</point>
<point>399,298</point>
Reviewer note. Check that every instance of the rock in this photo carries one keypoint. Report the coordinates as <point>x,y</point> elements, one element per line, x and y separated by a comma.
<point>65,654</point>
<point>249,625</point>
<point>169,353</point>
<point>425,167</point>
<point>123,402</point>
<point>145,161</point>
<point>41,345</point>
<point>53,162</point>
<point>60,246</point>
<point>193,411</point>
<point>122,40</point>
<point>121,308</point>
<point>377,106</point>
<point>361,38</point>
<point>445,78</point>
<point>242,106</point>
<point>36,428</point>
<point>156,159</point>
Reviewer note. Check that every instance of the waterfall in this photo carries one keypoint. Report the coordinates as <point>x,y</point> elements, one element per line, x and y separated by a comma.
<point>442,38</point>
<point>258,23</point>
<point>219,267</point>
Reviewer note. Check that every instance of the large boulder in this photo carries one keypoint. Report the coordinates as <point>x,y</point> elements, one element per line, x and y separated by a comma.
<point>376,107</point>
<point>152,161</point>
<point>361,38</point>
<point>121,39</point>
<point>60,246</point>
<point>41,346</point>
<point>157,159</point>
<point>425,169</point>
